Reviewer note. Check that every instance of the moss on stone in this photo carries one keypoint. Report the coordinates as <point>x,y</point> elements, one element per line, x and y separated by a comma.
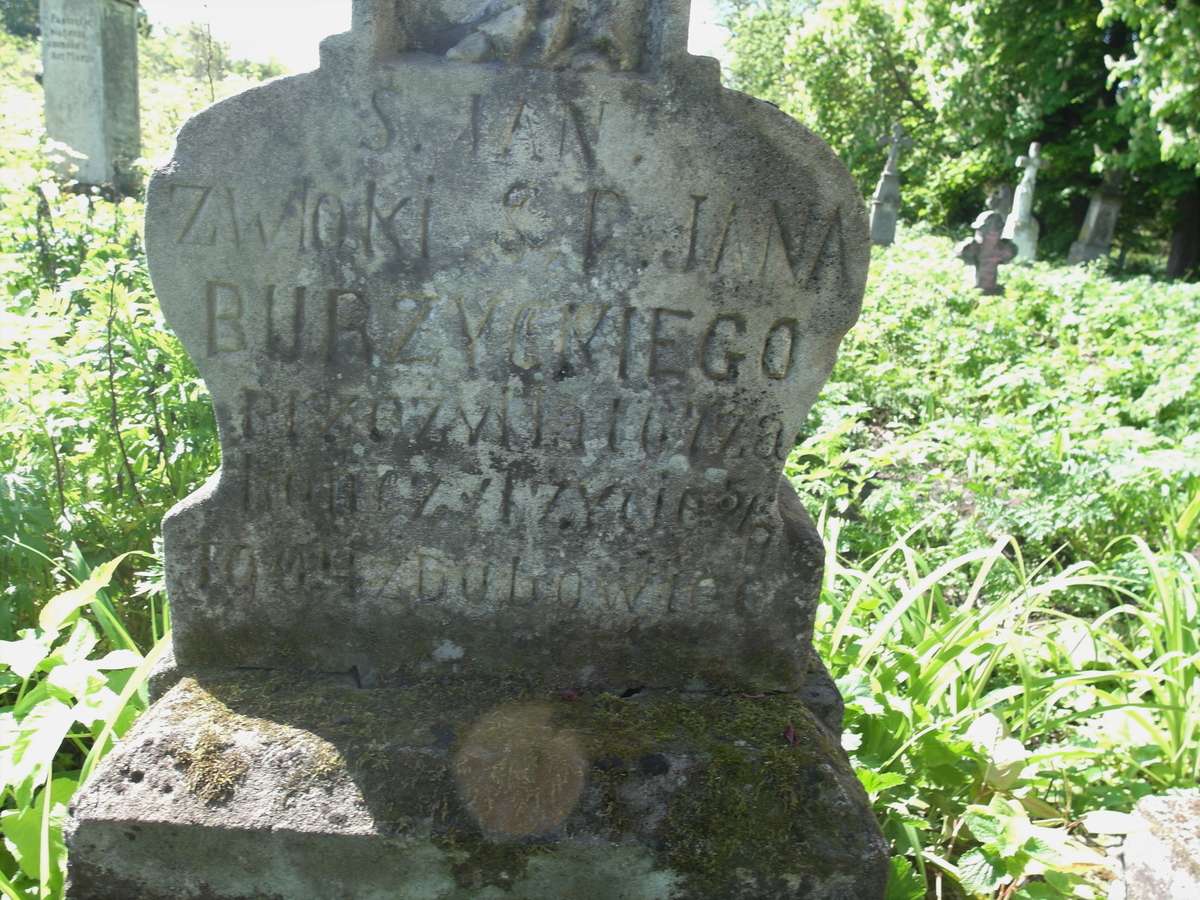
<point>213,767</point>
<point>749,806</point>
<point>725,790</point>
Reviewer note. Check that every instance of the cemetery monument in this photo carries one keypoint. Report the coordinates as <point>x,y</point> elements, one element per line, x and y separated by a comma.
<point>90,80</point>
<point>1100,224</point>
<point>885,203</point>
<point>510,318</point>
<point>987,250</point>
<point>1000,199</point>
<point>1021,227</point>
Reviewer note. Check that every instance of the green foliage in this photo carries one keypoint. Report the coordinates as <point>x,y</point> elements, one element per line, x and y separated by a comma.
<point>1014,668</point>
<point>1158,80</point>
<point>20,17</point>
<point>1084,410</point>
<point>973,90</point>
<point>69,689</point>
<point>105,425</point>
<point>984,720</point>
<point>1017,670</point>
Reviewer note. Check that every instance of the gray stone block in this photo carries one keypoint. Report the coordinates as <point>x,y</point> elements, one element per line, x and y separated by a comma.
<point>249,786</point>
<point>1161,854</point>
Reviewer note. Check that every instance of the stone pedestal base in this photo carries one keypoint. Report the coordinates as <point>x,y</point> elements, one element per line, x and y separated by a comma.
<point>1025,235</point>
<point>1081,252</point>
<point>883,223</point>
<point>252,786</point>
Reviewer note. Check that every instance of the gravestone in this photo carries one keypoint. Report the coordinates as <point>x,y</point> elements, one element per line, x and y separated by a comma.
<point>1099,226</point>
<point>90,80</point>
<point>1000,200</point>
<point>885,203</point>
<point>1021,227</point>
<point>498,591</point>
<point>987,250</point>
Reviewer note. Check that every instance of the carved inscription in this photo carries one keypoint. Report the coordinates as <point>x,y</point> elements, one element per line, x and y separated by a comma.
<point>512,418</point>
<point>478,586</point>
<point>347,327</point>
<point>416,214</point>
<point>71,37</point>
<point>394,496</point>
<point>766,242</point>
<point>511,357</point>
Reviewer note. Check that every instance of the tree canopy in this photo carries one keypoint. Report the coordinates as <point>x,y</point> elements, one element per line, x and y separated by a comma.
<point>1107,86</point>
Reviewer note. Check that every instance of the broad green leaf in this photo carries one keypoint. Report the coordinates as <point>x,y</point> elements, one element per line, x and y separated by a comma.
<point>875,783</point>
<point>1002,826</point>
<point>119,659</point>
<point>26,761</point>
<point>66,604</point>
<point>23,829</point>
<point>986,826</point>
<point>904,882</point>
<point>73,678</point>
<point>78,645</point>
<point>980,873</point>
<point>23,656</point>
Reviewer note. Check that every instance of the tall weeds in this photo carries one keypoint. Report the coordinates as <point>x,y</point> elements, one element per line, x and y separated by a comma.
<point>974,703</point>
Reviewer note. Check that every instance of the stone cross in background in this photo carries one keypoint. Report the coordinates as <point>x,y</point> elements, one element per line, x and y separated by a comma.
<point>987,250</point>
<point>1100,224</point>
<point>90,79</point>
<point>1021,227</point>
<point>885,204</point>
<point>499,590</point>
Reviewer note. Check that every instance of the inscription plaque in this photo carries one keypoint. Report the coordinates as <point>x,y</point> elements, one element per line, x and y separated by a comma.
<point>486,350</point>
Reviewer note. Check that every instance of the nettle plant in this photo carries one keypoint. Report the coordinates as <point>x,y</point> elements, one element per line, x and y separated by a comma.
<point>69,688</point>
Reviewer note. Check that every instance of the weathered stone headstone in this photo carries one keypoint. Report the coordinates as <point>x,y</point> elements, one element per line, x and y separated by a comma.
<point>1099,226</point>
<point>1021,227</point>
<point>498,591</point>
<point>90,80</point>
<point>885,203</point>
<point>987,250</point>
<point>1000,200</point>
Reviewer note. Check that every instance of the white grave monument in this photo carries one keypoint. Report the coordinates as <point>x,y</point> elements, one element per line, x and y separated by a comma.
<point>89,59</point>
<point>1021,227</point>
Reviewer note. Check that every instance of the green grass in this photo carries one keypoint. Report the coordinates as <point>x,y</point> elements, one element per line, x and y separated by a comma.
<point>1008,488</point>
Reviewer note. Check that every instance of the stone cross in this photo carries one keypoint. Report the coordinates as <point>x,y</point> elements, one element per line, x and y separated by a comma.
<point>987,251</point>
<point>885,204</point>
<point>1100,224</point>
<point>90,80</point>
<point>510,315</point>
<point>1021,227</point>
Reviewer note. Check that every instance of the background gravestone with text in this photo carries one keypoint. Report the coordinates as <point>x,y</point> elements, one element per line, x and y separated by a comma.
<point>90,77</point>
<point>510,319</point>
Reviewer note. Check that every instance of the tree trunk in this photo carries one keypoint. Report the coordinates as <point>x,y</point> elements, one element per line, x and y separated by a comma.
<point>1185,242</point>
